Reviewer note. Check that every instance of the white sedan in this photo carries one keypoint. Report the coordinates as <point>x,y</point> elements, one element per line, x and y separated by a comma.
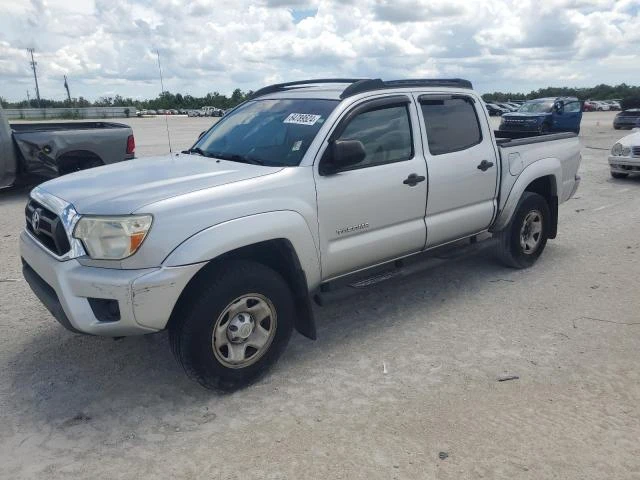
<point>625,156</point>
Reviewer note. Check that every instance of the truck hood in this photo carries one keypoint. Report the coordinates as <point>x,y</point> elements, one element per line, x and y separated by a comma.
<point>126,187</point>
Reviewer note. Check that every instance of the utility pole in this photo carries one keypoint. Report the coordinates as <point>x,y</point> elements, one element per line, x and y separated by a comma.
<point>28,99</point>
<point>66,85</point>
<point>35,75</point>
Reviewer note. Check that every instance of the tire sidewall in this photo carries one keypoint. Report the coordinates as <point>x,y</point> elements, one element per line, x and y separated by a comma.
<point>197,329</point>
<point>529,202</point>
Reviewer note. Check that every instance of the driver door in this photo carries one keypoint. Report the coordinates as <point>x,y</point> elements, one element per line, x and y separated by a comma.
<point>373,211</point>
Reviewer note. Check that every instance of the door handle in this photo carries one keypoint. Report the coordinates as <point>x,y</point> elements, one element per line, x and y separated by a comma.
<point>485,165</point>
<point>413,179</point>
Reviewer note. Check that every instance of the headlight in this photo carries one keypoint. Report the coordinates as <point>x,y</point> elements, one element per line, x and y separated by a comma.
<point>616,151</point>
<point>626,151</point>
<point>112,238</point>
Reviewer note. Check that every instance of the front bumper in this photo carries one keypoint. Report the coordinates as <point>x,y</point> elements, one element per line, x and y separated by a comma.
<point>145,297</point>
<point>624,164</point>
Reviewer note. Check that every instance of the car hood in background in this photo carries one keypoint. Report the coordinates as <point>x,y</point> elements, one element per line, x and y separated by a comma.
<point>631,140</point>
<point>125,187</point>
<point>524,115</point>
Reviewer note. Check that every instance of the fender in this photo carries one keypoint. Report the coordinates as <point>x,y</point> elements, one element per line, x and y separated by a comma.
<point>541,168</point>
<point>214,241</point>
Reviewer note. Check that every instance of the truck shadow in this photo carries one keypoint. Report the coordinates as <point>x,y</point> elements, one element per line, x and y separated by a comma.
<point>59,377</point>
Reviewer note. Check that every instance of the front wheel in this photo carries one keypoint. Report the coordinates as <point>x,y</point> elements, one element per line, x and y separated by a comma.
<point>234,326</point>
<point>521,243</point>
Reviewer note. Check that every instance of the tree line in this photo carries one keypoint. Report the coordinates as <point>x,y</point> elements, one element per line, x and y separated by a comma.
<point>168,100</point>
<point>599,92</point>
<point>165,100</point>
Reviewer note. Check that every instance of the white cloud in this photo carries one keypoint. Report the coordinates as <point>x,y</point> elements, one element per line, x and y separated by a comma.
<point>107,46</point>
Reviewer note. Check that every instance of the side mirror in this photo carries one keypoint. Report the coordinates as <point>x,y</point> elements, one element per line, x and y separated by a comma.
<point>201,134</point>
<point>342,154</point>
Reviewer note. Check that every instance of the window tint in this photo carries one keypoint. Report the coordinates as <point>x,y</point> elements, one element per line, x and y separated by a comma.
<point>572,107</point>
<point>451,124</point>
<point>385,134</point>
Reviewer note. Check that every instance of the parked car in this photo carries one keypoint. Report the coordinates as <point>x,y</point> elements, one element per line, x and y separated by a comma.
<point>627,119</point>
<point>211,112</point>
<point>602,106</point>
<point>507,107</point>
<point>152,112</point>
<point>625,156</point>
<point>47,150</point>
<point>337,175</point>
<point>613,105</point>
<point>494,110</point>
<point>545,115</point>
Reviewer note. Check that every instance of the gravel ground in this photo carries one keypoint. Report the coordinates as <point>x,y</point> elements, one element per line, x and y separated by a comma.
<point>402,382</point>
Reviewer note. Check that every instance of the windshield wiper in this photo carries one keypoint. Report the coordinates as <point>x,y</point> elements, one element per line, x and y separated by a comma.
<point>234,157</point>
<point>199,151</point>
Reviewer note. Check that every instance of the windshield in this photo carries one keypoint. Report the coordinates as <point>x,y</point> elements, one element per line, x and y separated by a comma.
<point>536,107</point>
<point>266,132</point>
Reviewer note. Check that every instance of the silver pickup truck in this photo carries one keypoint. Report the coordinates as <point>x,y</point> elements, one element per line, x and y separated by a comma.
<point>47,150</point>
<point>304,185</point>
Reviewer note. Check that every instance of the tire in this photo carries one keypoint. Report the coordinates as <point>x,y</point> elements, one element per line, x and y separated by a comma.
<point>616,127</point>
<point>224,300</point>
<point>509,248</point>
<point>619,175</point>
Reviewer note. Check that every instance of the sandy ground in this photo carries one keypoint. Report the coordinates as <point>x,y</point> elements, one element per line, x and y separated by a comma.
<point>400,373</point>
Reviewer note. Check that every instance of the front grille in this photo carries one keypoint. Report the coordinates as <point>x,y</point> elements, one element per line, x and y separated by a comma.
<point>47,228</point>
<point>635,151</point>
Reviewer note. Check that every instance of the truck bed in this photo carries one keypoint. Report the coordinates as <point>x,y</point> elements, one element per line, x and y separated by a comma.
<point>513,139</point>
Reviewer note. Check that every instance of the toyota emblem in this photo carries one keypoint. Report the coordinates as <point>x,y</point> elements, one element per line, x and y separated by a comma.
<point>35,221</point>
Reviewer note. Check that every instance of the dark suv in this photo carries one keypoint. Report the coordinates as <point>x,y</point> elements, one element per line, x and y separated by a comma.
<point>545,115</point>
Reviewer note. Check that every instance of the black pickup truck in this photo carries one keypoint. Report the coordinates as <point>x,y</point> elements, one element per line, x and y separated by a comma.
<point>48,150</point>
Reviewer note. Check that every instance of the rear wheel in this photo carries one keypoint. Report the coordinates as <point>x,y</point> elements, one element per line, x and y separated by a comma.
<point>234,326</point>
<point>524,239</point>
<point>619,175</point>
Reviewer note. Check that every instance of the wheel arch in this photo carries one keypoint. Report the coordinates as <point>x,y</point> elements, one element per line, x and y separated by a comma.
<point>280,240</point>
<point>542,177</point>
<point>68,159</point>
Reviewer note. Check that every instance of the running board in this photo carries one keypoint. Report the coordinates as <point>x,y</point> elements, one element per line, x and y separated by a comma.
<point>345,287</point>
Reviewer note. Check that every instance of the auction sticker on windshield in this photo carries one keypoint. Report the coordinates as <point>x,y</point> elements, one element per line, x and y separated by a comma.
<point>302,118</point>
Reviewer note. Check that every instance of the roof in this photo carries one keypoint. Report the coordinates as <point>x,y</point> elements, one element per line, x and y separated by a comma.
<point>340,88</point>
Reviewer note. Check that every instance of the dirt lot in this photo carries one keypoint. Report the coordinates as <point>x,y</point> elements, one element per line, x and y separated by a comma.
<point>399,374</point>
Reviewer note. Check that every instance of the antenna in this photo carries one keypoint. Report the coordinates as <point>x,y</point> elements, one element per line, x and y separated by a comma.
<point>35,75</point>
<point>66,86</point>
<point>166,120</point>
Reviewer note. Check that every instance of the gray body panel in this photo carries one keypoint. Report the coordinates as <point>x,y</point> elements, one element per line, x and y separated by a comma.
<point>337,223</point>
<point>38,147</point>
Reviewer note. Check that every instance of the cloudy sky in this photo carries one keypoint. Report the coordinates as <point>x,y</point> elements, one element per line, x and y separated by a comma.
<point>108,46</point>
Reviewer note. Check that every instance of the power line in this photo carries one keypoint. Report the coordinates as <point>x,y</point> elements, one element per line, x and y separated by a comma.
<point>35,74</point>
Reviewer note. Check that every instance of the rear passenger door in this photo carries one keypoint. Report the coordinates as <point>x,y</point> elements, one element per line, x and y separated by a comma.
<point>462,166</point>
<point>373,211</point>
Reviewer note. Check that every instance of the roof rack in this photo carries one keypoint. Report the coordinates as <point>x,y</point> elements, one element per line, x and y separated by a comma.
<point>360,85</point>
<point>277,87</point>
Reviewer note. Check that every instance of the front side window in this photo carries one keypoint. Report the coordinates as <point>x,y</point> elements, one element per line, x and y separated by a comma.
<point>451,124</point>
<point>266,132</point>
<point>385,134</point>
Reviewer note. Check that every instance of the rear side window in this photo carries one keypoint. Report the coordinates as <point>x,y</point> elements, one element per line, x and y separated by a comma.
<point>385,134</point>
<point>451,124</point>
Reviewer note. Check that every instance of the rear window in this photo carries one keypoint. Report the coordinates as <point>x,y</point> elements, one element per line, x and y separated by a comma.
<point>451,124</point>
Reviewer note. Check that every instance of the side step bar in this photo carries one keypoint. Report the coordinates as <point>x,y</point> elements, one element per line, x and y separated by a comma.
<point>347,286</point>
